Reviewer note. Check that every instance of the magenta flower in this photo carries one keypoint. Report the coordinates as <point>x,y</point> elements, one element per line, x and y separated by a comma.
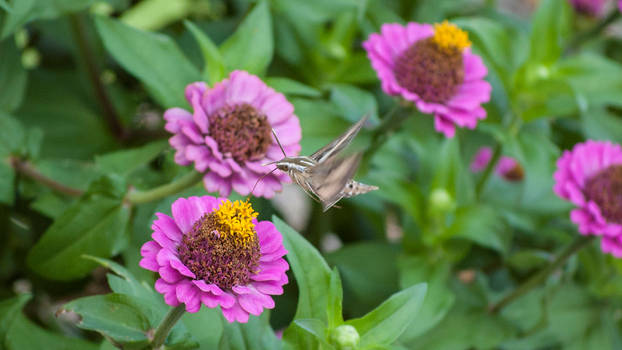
<point>433,67</point>
<point>620,5</point>
<point>507,167</point>
<point>228,135</point>
<point>214,252</point>
<point>590,176</point>
<point>592,8</point>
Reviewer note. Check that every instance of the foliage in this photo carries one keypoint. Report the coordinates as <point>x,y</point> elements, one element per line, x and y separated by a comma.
<point>84,84</point>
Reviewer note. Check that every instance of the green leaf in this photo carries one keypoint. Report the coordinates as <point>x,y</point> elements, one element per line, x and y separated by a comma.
<point>384,324</point>
<point>334,313</point>
<point>251,47</point>
<point>256,334</point>
<point>482,225</point>
<point>214,64</point>
<point>316,328</point>
<point>206,326</point>
<point>291,87</point>
<point>551,23</point>
<point>95,224</point>
<point>12,77</point>
<point>600,124</point>
<point>320,123</point>
<point>24,334</point>
<point>126,161</point>
<point>24,11</point>
<point>313,279</point>
<point>153,58</point>
<point>450,173</point>
<point>9,310</point>
<point>118,316</point>
<point>7,179</point>
<point>353,103</point>
<point>439,298</point>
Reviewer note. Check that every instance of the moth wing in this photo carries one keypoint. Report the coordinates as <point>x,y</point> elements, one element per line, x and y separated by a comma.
<point>338,144</point>
<point>328,179</point>
<point>303,180</point>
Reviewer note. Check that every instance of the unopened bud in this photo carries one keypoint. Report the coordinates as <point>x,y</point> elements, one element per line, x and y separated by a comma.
<point>31,58</point>
<point>441,200</point>
<point>345,337</point>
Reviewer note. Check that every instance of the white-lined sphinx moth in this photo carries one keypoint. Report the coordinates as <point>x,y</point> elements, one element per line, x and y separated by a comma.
<point>323,175</point>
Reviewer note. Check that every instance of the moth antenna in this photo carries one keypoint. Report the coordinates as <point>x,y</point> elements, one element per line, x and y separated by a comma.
<point>279,142</point>
<point>261,178</point>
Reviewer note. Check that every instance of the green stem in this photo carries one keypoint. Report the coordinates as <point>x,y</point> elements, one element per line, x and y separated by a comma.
<point>583,37</point>
<point>188,180</point>
<point>538,278</point>
<point>496,155</point>
<point>166,325</point>
<point>88,57</point>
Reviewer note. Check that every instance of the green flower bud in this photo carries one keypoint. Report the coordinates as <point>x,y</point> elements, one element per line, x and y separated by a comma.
<point>31,58</point>
<point>441,200</point>
<point>345,337</point>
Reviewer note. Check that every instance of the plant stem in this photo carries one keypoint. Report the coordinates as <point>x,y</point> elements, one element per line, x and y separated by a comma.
<point>166,325</point>
<point>86,52</point>
<point>26,168</point>
<point>538,278</point>
<point>188,180</point>
<point>582,37</point>
<point>496,155</point>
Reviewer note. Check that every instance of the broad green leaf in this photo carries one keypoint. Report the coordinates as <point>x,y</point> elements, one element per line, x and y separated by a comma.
<point>24,334</point>
<point>96,224</point>
<point>12,135</point>
<point>313,279</point>
<point>24,11</point>
<point>57,105</point>
<point>9,310</point>
<point>256,334</point>
<point>12,77</point>
<point>291,87</point>
<point>214,64</point>
<point>384,324</point>
<point>450,173</point>
<point>125,161</point>
<point>482,225</point>
<point>316,328</point>
<point>334,313</point>
<point>600,124</point>
<point>551,23</point>
<point>205,326</point>
<point>7,179</point>
<point>319,122</point>
<point>438,299</point>
<point>251,47</point>
<point>353,103</point>
<point>153,58</point>
<point>118,316</point>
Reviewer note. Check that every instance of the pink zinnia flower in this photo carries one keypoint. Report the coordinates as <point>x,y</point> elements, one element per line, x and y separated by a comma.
<point>214,252</point>
<point>228,135</point>
<point>620,5</point>
<point>507,167</point>
<point>592,8</point>
<point>433,67</point>
<point>590,176</point>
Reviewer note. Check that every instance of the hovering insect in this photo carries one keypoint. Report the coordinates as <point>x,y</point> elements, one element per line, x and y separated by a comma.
<point>323,175</point>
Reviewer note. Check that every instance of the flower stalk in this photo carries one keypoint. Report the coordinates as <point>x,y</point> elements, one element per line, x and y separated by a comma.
<point>186,181</point>
<point>166,325</point>
<point>496,155</point>
<point>28,169</point>
<point>583,37</point>
<point>576,245</point>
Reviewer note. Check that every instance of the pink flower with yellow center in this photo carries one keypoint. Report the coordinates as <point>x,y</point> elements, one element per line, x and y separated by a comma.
<point>215,252</point>
<point>433,67</point>
<point>590,176</point>
<point>228,135</point>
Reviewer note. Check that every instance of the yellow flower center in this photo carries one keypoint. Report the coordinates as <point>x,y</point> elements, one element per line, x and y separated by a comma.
<point>236,219</point>
<point>448,36</point>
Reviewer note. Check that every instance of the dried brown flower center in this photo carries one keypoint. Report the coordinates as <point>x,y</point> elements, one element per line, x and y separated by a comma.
<point>605,189</point>
<point>241,131</point>
<point>432,72</point>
